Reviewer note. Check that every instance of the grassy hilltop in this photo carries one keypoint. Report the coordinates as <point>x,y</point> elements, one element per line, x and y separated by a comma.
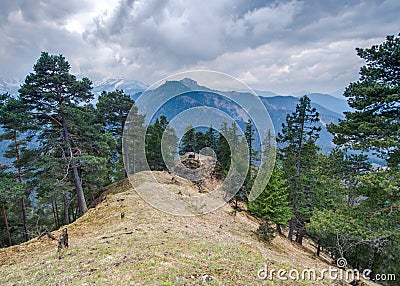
<point>149,247</point>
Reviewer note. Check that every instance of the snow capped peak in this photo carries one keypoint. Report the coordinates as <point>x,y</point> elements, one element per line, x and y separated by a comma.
<point>109,81</point>
<point>189,82</point>
<point>119,83</point>
<point>131,87</point>
<point>11,85</point>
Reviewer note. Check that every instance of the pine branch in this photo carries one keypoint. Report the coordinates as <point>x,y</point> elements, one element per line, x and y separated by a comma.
<point>390,209</point>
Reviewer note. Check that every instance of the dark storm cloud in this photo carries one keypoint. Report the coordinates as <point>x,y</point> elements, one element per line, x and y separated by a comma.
<point>183,34</point>
<point>195,31</point>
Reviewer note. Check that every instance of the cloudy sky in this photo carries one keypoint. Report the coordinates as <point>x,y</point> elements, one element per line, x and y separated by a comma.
<point>282,46</point>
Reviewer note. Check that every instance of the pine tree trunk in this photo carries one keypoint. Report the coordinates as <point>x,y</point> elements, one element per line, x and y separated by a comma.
<point>278,229</point>
<point>17,157</point>
<point>77,179</point>
<point>66,209</point>
<point>291,229</point>
<point>26,234</point>
<point>318,246</point>
<point>122,132</point>
<point>55,213</point>
<point>301,239</point>
<point>6,222</point>
<point>23,206</point>
<point>300,235</point>
<point>79,189</point>
<point>124,170</point>
<point>75,213</point>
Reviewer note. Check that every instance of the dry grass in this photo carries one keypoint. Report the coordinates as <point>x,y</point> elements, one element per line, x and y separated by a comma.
<point>149,247</point>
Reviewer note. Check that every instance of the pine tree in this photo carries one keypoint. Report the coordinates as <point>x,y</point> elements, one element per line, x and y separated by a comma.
<point>375,97</point>
<point>249,134</point>
<point>48,91</point>
<point>234,151</point>
<point>223,150</point>
<point>153,146</point>
<point>15,121</point>
<point>273,203</point>
<point>10,189</point>
<point>96,147</point>
<point>112,111</point>
<point>188,141</point>
<point>154,154</point>
<point>372,197</point>
<point>53,185</point>
<point>253,159</point>
<point>347,169</point>
<point>339,177</point>
<point>113,108</point>
<point>132,142</point>
<point>199,141</point>
<point>339,231</point>
<point>194,141</point>
<point>298,156</point>
<point>211,138</point>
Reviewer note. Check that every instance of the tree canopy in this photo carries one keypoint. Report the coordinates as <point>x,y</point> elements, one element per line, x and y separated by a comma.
<point>375,122</point>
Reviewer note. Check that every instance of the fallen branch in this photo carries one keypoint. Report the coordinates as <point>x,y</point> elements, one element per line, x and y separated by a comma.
<point>48,234</point>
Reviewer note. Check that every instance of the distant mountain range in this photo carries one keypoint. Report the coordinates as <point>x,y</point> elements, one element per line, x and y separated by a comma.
<point>134,88</point>
<point>131,87</point>
<point>330,102</point>
<point>329,107</point>
<point>333,103</point>
<point>277,106</point>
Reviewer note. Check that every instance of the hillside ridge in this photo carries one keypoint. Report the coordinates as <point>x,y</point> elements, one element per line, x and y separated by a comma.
<point>149,247</point>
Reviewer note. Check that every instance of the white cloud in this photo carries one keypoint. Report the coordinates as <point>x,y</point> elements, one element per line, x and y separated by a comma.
<point>285,69</point>
<point>277,45</point>
<point>79,21</point>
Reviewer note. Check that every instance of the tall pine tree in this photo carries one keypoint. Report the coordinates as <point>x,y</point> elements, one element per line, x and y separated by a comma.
<point>188,141</point>
<point>298,155</point>
<point>112,110</point>
<point>48,91</point>
<point>16,122</point>
<point>375,122</point>
<point>154,137</point>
